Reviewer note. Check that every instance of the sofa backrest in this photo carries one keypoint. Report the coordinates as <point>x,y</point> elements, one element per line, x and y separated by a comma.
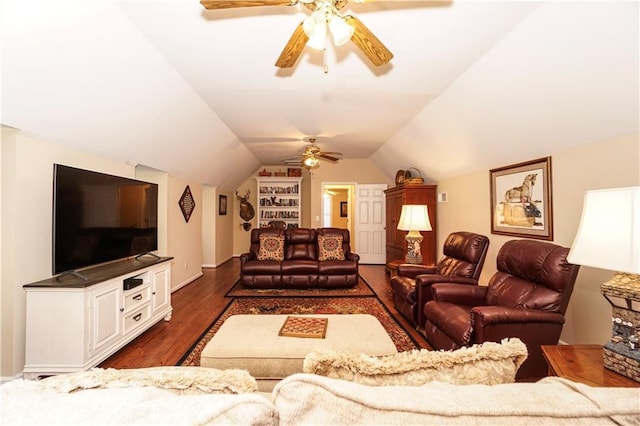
<point>463,255</point>
<point>532,275</point>
<point>346,243</point>
<point>300,244</point>
<point>255,237</point>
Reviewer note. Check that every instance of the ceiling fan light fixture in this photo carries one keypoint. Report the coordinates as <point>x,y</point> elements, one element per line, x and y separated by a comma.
<point>340,30</point>
<point>311,162</point>
<point>315,27</point>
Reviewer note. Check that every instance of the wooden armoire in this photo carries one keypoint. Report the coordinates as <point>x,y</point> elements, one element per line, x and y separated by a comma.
<point>410,194</point>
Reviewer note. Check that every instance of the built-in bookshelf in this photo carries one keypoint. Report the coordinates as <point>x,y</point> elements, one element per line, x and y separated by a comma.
<point>279,199</point>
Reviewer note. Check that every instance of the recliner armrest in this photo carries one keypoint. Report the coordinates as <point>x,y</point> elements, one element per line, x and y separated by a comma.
<point>352,257</point>
<point>410,270</point>
<point>245,257</point>
<point>468,295</point>
<point>488,315</point>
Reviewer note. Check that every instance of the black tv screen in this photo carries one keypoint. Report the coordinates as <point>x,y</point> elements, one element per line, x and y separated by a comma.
<point>99,218</point>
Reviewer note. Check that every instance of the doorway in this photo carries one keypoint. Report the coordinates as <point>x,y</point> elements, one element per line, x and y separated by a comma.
<point>365,222</point>
<point>337,206</point>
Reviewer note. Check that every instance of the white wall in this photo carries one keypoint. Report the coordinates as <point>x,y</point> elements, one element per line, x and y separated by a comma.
<point>606,164</point>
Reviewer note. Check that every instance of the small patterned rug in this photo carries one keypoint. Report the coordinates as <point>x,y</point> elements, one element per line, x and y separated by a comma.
<point>360,289</point>
<point>291,305</point>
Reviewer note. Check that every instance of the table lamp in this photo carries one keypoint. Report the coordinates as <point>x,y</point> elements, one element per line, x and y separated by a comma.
<point>609,238</point>
<point>414,218</point>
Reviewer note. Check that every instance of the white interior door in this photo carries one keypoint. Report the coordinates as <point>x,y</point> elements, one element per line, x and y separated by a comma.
<point>370,223</point>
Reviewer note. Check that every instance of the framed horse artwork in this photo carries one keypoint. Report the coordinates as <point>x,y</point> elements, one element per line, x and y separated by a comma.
<point>521,204</point>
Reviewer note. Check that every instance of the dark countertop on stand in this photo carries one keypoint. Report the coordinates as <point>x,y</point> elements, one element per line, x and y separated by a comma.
<point>98,274</point>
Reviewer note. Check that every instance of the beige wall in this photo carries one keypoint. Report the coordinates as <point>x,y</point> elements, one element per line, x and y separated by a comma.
<point>217,230</point>
<point>346,171</point>
<point>184,238</point>
<point>613,163</point>
<point>27,176</point>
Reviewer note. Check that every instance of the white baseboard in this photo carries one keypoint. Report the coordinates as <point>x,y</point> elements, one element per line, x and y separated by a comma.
<point>562,342</point>
<point>215,265</point>
<point>184,283</point>
<point>5,379</point>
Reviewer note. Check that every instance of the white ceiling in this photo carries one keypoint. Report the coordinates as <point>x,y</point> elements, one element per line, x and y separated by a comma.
<point>167,84</point>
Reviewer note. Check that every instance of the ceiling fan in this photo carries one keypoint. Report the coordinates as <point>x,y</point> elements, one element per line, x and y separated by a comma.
<point>313,30</point>
<point>312,155</point>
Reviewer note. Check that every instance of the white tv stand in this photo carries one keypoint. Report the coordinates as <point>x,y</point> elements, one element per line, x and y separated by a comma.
<point>73,324</point>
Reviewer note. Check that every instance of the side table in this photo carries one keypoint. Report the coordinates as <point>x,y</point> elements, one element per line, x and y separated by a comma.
<point>584,364</point>
<point>391,268</point>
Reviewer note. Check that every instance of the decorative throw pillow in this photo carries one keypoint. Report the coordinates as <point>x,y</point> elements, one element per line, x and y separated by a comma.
<point>271,247</point>
<point>489,363</point>
<point>330,247</point>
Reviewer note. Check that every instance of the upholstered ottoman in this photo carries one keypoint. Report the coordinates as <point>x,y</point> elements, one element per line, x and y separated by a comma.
<point>252,343</point>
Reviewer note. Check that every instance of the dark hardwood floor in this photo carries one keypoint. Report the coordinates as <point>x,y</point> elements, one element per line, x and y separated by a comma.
<point>198,304</point>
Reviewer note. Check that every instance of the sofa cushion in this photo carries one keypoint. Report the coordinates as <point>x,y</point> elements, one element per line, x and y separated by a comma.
<point>301,244</point>
<point>330,247</point>
<point>271,248</point>
<point>490,363</point>
<point>311,399</point>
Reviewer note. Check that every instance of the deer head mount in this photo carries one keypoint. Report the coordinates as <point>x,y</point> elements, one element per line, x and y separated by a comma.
<point>247,212</point>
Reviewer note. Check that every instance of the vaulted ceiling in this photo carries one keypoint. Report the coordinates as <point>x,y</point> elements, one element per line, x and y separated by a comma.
<point>170,85</point>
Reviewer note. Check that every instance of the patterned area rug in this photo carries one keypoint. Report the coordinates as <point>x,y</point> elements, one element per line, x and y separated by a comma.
<point>360,289</point>
<point>291,305</point>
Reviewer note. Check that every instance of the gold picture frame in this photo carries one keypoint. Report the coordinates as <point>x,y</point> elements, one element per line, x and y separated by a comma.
<point>521,200</point>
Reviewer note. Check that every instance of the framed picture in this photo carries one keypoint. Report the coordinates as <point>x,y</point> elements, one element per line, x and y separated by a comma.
<point>222,205</point>
<point>521,204</point>
<point>343,209</point>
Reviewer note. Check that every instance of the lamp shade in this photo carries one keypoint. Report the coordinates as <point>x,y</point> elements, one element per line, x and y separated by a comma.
<point>340,30</point>
<point>315,27</point>
<point>414,217</point>
<point>609,233</point>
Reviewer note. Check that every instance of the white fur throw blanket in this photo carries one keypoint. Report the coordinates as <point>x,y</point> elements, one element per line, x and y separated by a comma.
<point>304,399</point>
<point>176,379</point>
<point>489,363</point>
<point>157,396</point>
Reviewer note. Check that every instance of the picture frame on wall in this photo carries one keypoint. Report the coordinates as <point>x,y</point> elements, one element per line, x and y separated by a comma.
<point>222,205</point>
<point>521,200</point>
<point>343,209</point>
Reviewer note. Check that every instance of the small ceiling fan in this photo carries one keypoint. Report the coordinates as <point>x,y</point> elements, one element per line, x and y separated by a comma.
<point>312,155</point>
<point>313,30</point>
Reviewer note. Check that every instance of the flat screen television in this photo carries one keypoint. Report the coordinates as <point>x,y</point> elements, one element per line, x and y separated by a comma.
<point>99,218</point>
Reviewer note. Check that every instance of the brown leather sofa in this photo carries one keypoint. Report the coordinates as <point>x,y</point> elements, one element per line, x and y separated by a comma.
<point>300,266</point>
<point>526,298</point>
<point>463,256</point>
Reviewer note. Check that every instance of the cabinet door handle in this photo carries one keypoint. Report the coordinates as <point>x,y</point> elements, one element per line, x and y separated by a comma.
<point>121,309</point>
<point>154,293</point>
<point>137,297</point>
<point>137,317</point>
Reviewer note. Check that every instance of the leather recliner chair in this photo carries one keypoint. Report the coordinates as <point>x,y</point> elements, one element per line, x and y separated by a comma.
<point>526,298</point>
<point>461,263</point>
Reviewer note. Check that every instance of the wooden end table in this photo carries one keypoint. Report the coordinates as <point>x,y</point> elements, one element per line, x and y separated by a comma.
<point>584,364</point>
<point>392,267</point>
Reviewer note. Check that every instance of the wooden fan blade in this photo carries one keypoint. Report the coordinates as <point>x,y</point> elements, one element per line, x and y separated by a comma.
<point>293,49</point>
<point>228,4</point>
<point>324,156</point>
<point>368,43</point>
